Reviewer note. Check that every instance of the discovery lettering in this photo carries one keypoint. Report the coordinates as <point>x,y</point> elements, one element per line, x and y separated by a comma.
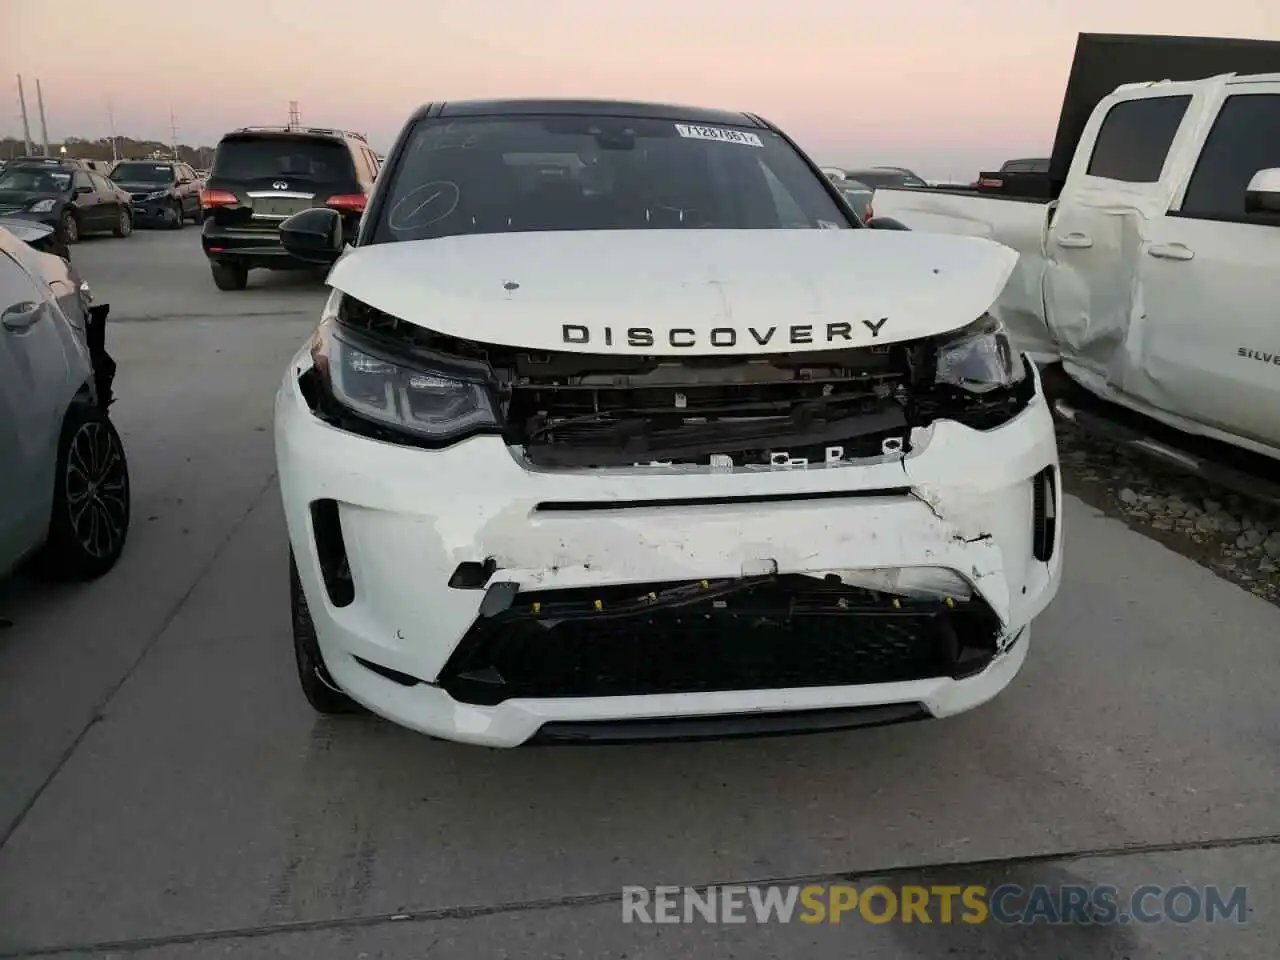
<point>718,338</point>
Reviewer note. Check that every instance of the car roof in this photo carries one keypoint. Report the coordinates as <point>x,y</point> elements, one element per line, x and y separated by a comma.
<point>588,107</point>
<point>61,162</point>
<point>310,133</point>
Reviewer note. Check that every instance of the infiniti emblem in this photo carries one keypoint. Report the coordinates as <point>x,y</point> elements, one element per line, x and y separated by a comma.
<point>280,185</point>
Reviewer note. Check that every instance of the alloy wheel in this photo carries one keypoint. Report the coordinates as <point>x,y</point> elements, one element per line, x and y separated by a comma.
<point>96,487</point>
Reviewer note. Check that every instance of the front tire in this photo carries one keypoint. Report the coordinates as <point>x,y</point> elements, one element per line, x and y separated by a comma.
<point>90,519</point>
<point>317,685</point>
<point>229,276</point>
<point>70,228</point>
<point>178,218</point>
<point>124,224</point>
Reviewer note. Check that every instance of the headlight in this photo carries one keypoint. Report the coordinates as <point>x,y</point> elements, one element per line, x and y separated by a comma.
<point>157,194</point>
<point>979,358</point>
<point>41,206</point>
<point>403,395</point>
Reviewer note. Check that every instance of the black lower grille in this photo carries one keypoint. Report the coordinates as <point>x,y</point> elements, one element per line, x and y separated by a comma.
<point>707,636</point>
<point>1044,511</point>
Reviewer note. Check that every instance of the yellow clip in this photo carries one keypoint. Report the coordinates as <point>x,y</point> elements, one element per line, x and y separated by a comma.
<point>599,604</point>
<point>537,607</point>
<point>949,602</point>
<point>706,584</point>
<point>653,598</point>
<point>897,604</point>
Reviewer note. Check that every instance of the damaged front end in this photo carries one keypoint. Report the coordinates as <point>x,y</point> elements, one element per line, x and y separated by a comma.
<point>378,375</point>
<point>104,367</point>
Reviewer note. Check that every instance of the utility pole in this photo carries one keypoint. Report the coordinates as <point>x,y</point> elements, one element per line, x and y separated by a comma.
<point>111,119</point>
<point>295,116</point>
<point>26,127</point>
<point>173,135</point>
<point>44,129</point>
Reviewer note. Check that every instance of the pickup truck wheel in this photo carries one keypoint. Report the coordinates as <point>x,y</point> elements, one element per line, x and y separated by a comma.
<point>90,519</point>
<point>124,224</point>
<point>178,218</point>
<point>70,228</point>
<point>317,685</point>
<point>229,276</point>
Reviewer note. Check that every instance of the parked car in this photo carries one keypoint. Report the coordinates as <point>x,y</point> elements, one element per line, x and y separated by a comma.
<point>64,488</point>
<point>601,390</point>
<point>859,196</point>
<point>1151,274</point>
<point>261,176</point>
<point>878,177</point>
<point>162,193</point>
<point>64,195</point>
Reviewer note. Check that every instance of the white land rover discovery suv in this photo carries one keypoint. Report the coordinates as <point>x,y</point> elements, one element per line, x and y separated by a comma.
<point>619,423</point>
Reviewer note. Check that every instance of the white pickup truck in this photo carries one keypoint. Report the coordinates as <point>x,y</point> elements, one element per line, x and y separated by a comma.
<point>1153,274</point>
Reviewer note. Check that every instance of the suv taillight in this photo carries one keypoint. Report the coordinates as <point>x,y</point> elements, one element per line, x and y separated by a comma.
<point>348,202</point>
<point>218,198</point>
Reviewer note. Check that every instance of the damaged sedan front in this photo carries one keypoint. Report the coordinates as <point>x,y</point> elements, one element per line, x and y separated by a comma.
<point>550,481</point>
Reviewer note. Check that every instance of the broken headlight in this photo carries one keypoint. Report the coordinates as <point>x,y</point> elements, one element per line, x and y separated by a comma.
<point>371,381</point>
<point>979,358</point>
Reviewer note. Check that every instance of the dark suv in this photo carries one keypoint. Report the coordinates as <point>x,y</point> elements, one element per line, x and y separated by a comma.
<point>263,175</point>
<point>164,192</point>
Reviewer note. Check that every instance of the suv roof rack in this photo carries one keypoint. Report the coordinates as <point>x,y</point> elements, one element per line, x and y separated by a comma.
<point>324,131</point>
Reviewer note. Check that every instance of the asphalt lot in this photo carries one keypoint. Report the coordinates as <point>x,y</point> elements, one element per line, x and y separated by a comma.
<point>165,791</point>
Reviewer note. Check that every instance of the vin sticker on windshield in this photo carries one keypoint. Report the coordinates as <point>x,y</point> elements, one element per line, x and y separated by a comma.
<point>691,132</point>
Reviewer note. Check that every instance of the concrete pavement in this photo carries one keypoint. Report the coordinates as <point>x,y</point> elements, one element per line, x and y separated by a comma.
<point>166,791</point>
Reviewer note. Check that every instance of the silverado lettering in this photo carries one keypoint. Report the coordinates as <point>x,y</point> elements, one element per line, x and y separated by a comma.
<point>722,338</point>
<point>1259,355</point>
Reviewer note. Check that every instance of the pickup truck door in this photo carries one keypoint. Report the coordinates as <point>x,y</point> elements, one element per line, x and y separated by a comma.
<point>1123,175</point>
<point>1208,275</point>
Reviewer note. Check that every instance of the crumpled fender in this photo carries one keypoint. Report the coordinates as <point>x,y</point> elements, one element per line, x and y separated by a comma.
<point>104,367</point>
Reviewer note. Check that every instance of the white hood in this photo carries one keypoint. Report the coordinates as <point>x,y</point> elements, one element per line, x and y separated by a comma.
<point>682,292</point>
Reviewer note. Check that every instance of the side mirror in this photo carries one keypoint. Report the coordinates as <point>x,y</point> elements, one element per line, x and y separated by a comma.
<point>183,181</point>
<point>313,236</point>
<point>1263,193</point>
<point>886,223</point>
<point>80,190</point>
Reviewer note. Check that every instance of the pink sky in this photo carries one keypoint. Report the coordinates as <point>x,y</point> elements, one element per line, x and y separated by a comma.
<point>931,84</point>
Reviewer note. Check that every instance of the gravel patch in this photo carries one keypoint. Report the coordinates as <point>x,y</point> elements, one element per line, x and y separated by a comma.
<point>1237,538</point>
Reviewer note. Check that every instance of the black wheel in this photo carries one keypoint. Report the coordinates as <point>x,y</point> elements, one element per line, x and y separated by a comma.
<point>124,223</point>
<point>198,217</point>
<point>229,276</point>
<point>70,228</point>
<point>178,218</point>
<point>317,686</point>
<point>90,519</point>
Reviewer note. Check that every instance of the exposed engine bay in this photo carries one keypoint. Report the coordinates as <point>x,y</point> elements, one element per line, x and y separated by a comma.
<point>576,410</point>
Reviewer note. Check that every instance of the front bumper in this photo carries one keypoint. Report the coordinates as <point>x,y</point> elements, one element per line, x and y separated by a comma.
<point>409,518</point>
<point>154,212</point>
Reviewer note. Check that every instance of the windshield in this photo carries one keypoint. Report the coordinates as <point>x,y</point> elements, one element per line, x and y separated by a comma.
<point>29,180</point>
<point>292,157</point>
<point>142,173</point>
<point>490,175</point>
